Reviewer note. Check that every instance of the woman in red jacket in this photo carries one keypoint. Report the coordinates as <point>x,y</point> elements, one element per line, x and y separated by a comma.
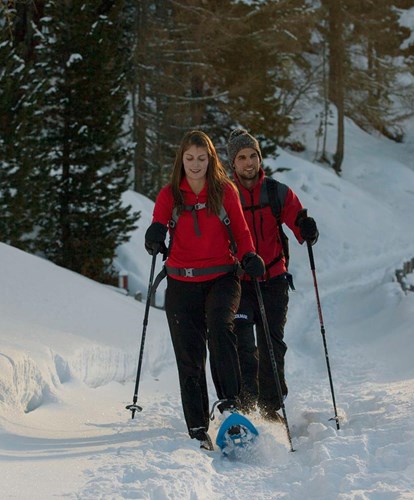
<point>203,289</point>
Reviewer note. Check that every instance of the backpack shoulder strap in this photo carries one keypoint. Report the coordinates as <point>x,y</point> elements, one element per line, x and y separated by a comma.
<point>226,221</point>
<point>276,193</point>
<point>174,218</point>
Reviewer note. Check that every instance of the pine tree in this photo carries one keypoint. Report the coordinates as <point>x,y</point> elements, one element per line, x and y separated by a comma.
<point>171,84</point>
<point>256,49</point>
<point>21,174</point>
<point>213,65</point>
<point>79,80</point>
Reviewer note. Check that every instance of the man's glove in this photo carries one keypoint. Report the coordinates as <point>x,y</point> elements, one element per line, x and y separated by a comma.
<point>253,265</point>
<point>155,238</point>
<point>307,227</point>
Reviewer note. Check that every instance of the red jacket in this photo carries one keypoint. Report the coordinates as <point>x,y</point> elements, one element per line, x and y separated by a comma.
<point>211,247</point>
<point>263,225</point>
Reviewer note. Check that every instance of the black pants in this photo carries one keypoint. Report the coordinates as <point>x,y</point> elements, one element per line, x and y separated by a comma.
<point>201,313</point>
<point>258,379</point>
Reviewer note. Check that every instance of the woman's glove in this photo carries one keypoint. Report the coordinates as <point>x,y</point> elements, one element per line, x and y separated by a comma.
<point>253,265</point>
<point>155,238</point>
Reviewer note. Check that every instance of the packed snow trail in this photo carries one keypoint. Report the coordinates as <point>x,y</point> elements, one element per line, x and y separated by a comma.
<point>109,455</point>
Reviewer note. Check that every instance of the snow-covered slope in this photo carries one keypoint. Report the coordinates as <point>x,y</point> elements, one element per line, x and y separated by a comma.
<point>69,351</point>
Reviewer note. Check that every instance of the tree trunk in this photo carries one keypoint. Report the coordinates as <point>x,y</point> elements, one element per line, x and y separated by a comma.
<point>336,74</point>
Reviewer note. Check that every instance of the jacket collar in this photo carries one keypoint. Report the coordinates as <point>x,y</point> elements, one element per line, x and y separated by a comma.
<point>256,186</point>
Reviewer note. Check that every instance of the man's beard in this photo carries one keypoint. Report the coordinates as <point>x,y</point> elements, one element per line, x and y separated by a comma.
<point>249,177</point>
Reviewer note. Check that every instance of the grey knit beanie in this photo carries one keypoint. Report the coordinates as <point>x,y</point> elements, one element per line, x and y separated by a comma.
<point>240,139</point>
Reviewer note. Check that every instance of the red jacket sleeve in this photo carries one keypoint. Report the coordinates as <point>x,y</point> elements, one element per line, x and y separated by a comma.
<point>163,206</point>
<point>290,211</point>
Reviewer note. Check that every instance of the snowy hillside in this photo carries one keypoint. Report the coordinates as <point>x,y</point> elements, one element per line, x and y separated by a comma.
<point>69,351</point>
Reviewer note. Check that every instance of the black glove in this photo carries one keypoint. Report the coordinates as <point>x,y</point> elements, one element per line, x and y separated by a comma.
<point>155,238</point>
<point>253,265</point>
<point>307,227</point>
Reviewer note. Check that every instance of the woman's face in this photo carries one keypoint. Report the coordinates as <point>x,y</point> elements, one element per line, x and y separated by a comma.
<point>195,161</point>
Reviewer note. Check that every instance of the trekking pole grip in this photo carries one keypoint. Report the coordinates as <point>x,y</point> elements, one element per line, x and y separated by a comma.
<point>310,253</point>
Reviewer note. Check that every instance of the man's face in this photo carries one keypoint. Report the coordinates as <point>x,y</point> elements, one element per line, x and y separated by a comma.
<point>247,164</point>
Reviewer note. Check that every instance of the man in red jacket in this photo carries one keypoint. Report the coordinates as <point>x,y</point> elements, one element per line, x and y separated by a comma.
<point>258,380</point>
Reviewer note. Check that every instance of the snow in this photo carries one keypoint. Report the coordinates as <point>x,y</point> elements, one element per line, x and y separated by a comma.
<point>74,58</point>
<point>69,353</point>
<point>407,20</point>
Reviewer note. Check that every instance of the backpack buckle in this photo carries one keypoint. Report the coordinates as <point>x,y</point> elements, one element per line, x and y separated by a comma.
<point>189,272</point>
<point>199,206</point>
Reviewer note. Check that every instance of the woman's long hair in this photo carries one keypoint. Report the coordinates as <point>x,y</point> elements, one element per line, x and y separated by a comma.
<point>217,177</point>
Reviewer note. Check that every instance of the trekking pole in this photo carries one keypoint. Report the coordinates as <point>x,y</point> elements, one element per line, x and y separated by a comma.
<point>315,283</point>
<point>134,407</point>
<point>272,356</point>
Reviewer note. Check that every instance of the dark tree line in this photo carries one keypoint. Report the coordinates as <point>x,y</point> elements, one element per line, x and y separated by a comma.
<point>217,64</point>
<point>65,155</point>
<point>95,96</point>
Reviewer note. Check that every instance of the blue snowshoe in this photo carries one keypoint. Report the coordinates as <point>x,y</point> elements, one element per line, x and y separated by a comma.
<point>236,432</point>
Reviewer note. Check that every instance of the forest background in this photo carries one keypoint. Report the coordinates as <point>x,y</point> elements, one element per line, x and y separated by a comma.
<point>95,97</point>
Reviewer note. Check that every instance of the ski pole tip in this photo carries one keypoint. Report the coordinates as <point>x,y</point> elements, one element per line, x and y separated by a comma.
<point>134,407</point>
<point>337,422</point>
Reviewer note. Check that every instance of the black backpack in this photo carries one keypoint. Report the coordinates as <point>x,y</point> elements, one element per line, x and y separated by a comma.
<point>273,194</point>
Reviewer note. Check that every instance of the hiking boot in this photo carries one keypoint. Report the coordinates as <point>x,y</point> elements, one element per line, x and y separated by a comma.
<point>247,408</point>
<point>248,402</point>
<point>202,435</point>
<point>227,406</point>
<point>271,415</point>
<point>206,443</point>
